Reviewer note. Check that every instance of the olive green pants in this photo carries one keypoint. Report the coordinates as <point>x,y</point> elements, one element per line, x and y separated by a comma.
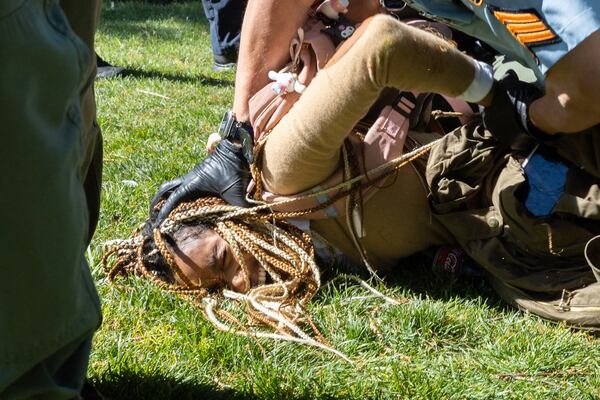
<point>50,160</point>
<point>546,265</point>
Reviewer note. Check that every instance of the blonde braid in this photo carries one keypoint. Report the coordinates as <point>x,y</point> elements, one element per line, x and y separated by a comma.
<point>164,251</point>
<point>284,252</point>
<point>141,269</point>
<point>264,258</point>
<point>227,232</point>
<point>342,189</point>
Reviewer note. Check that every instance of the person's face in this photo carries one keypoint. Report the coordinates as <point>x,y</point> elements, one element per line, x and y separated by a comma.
<point>210,260</point>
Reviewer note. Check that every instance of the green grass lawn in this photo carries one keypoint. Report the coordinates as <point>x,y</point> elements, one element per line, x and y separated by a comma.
<point>448,340</point>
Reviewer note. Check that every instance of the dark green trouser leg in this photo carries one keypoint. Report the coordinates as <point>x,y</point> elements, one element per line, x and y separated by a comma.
<point>83,17</point>
<point>58,376</point>
<point>50,161</point>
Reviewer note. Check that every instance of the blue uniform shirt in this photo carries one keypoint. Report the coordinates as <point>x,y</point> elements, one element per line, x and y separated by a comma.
<point>537,33</point>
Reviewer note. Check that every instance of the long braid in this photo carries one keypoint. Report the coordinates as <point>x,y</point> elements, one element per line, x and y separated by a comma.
<point>341,190</point>
<point>164,251</point>
<point>285,253</point>
<point>282,250</point>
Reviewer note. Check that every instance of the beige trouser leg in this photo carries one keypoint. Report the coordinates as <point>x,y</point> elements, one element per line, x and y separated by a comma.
<point>303,149</point>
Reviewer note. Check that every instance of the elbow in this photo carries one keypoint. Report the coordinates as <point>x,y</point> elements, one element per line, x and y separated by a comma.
<point>577,105</point>
<point>572,100</point>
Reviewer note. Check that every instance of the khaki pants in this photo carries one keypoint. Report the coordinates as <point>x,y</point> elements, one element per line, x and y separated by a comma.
<point>304,148</point>
<point>50,180</point>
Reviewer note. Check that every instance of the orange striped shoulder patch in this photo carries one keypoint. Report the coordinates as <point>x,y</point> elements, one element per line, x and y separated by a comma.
<point>526,26</point>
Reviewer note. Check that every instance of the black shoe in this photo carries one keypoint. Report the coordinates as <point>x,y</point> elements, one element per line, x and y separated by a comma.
<point>223,63</point>
<point>107,70</point>
<point>88,392</point>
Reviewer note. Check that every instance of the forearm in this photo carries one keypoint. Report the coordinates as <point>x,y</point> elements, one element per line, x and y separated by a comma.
<point>303,149</point>
<point>267,30</point>
<point>565,111</point>
<point>572,99</point>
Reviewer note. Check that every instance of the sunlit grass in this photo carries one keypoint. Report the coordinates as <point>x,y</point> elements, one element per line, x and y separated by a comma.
<point>448,340</point>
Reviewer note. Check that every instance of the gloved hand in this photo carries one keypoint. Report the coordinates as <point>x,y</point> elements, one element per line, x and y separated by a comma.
<point>507,116</point>
<point>224,173</point>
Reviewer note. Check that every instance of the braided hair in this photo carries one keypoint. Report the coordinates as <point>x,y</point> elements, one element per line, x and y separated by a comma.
<point>276,309</point>
<point>273,310</point>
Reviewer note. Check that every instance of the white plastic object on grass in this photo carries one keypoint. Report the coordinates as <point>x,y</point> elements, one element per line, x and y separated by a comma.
<point>129,182</point>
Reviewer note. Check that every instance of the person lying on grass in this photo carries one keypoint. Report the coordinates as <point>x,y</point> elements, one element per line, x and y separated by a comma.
<point>465,188</point>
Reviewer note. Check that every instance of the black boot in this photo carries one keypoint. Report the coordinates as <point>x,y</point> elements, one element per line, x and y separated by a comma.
<point>222,64</point>
<point>107,70</point>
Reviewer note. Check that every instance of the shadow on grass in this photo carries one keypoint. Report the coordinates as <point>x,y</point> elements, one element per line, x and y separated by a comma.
<point>152,21</point>
<point>175,77</point>
<point>128,385</point>
<point>415,274</point>
<point>137,11</point>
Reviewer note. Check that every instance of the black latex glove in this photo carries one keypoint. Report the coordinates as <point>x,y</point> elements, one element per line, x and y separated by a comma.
<point>507,116</point>
<point>224,173</point>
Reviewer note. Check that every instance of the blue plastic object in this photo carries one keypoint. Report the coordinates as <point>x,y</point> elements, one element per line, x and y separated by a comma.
<point>547,178</point>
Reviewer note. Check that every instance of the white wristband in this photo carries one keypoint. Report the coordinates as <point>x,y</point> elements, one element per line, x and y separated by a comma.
<point>481,85</point>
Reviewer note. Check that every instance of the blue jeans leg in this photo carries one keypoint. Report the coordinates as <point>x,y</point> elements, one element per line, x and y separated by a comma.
<point>225,20</point>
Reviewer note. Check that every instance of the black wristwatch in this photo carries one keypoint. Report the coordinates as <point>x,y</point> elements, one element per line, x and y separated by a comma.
<point>393,5</point>
<point>232,129</point>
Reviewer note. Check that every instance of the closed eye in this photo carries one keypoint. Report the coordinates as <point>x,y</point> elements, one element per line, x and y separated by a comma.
<point>212,262</point>
<point>223,254</point>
